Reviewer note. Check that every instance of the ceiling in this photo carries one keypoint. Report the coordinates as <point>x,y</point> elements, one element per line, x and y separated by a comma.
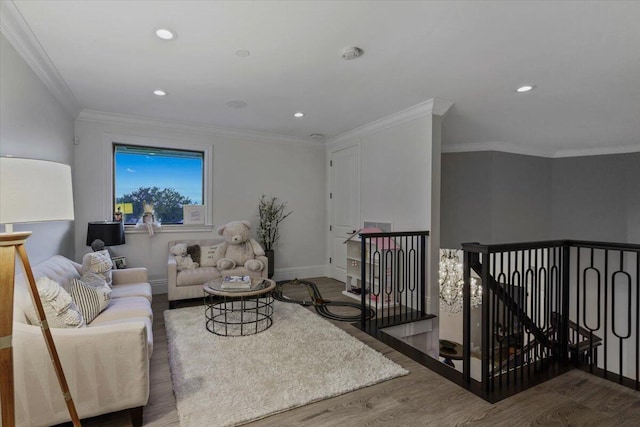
<point>583,58</point>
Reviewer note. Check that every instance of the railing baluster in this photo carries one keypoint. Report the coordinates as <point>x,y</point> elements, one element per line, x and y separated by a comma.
<point>466,315</point>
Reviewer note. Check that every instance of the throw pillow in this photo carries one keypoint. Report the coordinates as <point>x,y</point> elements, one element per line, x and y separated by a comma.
<point>59,308</point>
<point>98,262</point>
<point>94,280</point>
<point>90,300</point>
<point>207,256</point>
<point>194,251</point>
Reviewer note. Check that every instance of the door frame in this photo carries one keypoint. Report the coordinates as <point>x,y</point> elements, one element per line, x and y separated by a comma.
<point>357,143</point>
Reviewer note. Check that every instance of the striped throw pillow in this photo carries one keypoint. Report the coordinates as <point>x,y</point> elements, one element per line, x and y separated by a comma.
<point>59,308</point>
<point>90,300</point>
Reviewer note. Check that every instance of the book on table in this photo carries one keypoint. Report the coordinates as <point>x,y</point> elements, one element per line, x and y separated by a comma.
<point>236,282</point>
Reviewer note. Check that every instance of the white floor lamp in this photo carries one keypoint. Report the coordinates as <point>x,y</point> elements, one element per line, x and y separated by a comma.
<point>30,191</point>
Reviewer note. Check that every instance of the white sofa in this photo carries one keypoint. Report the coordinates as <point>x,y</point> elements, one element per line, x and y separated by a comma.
<point>187,284</point>
<point>106,363</point>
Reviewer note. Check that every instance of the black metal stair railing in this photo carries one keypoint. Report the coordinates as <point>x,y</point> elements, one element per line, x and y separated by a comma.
<point>545,303</point>
<point>393,271</point>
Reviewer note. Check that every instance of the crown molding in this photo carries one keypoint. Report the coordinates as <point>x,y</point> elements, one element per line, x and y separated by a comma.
<point>538,152</point>
<point>496,146</point>
<point>597,151</point>
<point>190,127</point>
<point>433,106</point>
<point>440,107</point>
<point>19,34</point>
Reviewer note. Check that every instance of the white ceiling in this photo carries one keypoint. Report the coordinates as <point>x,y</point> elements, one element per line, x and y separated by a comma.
<point>584,59</point>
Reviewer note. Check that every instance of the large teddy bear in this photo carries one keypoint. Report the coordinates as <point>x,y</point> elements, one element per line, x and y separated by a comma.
<point>183,260</point>
<point>238,248</point>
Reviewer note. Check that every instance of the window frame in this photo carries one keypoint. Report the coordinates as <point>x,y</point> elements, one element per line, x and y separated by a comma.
<point>110,140</point>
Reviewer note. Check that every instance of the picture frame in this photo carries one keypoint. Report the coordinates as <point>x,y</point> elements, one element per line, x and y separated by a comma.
<point>193,215</point>
<point>119,262</point>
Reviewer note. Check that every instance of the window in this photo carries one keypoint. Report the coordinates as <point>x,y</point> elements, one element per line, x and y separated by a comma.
<point>156,178</point>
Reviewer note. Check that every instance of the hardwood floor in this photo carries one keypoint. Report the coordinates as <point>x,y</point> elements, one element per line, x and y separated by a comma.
<point>422,398</point>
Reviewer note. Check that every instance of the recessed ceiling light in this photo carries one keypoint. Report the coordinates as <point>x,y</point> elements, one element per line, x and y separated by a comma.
<point>298,115</point>
<point>166,34</point>
<point>236,104</point>
<point>318,136</point>
<point>159,92</point>
<point>242,53</point>
<point>525,88</point>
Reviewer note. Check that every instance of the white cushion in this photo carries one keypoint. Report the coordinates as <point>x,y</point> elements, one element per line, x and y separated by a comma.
<point>131,290</point>
<point>59,308</point>
<point>91,300</point>
<point>207,254</point>
<point>124,308</point>
<point>197,276</point>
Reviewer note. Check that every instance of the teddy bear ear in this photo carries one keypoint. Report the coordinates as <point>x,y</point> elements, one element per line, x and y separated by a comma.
<point>221,229</point>
<point>246,223</point>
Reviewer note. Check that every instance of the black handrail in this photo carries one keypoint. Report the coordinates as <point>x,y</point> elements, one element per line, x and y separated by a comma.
<point>507,247</point>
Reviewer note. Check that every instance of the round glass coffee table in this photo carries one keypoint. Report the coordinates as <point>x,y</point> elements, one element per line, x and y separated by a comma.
<point>238,312</point>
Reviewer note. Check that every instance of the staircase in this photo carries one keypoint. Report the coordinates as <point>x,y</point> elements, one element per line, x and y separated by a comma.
<point>547,307</point>
<point>576,305</point>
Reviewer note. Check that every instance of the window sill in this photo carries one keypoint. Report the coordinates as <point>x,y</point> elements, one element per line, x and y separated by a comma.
<point>172,228</point>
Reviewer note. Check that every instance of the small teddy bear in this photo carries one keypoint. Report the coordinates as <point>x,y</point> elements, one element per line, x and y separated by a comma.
<point>183,260</point>
<point>238,248</point>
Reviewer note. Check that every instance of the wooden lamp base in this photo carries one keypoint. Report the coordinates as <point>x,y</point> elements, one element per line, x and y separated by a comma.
<point>10,245</point>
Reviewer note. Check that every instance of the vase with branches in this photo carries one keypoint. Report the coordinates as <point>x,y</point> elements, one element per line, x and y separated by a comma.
<point>271,212</point>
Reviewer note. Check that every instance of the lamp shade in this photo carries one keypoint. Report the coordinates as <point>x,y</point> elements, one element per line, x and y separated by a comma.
<point>34,191</point>
<point>110,232</point>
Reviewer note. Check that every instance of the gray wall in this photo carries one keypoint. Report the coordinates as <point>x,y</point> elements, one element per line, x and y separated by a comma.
<point>494,197</point>
<point>465,198</point>
<point>34,125</point>
<point>596,198</point>
<point>632,180</point>
<point>520,198</point>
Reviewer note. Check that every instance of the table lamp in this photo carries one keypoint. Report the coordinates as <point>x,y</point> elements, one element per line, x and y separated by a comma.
<point>30,191</point>
<point>110,232</point>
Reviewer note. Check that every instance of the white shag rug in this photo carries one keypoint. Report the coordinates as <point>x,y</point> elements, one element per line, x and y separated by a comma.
<point>302,358</point>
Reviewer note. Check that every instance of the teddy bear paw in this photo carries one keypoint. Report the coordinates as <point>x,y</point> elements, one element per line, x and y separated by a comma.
<point>225,264</point>
<point>254,265</point>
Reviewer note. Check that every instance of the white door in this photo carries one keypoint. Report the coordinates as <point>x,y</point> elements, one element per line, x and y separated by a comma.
<point>345,206</point>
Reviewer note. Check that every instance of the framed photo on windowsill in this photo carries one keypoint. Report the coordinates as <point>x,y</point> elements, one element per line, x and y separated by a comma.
<point>193,215</point>
<point>119,262</point>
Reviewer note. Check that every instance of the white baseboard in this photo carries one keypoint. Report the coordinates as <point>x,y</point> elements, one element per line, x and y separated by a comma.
<point>299,272</point>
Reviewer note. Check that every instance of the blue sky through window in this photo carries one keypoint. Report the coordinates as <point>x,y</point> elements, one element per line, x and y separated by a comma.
<point>138,170</point>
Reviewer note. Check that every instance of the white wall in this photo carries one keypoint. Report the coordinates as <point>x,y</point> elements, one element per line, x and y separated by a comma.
<point>396,175</point>
<point>34,125</point>
<point>399,175</point>
<point>245,166</point>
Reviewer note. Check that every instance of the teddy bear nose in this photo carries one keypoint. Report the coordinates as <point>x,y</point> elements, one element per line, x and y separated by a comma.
<point>236,238</point>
